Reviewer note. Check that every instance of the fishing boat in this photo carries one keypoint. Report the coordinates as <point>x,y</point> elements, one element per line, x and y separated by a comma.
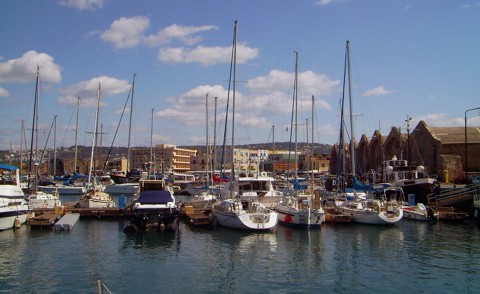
<point>96,198</point>
<point>235,212</point>
<point>411,180</point>
<point>14,209</point>
<point>297,209</point>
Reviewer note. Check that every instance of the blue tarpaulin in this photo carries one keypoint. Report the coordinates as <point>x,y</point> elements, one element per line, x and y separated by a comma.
<point>155,197</point>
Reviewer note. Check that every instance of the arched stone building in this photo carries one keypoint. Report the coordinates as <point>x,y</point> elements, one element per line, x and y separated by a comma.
<point>441,150</point>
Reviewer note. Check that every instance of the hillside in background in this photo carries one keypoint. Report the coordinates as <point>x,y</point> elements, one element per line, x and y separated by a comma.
<point>84,151</point>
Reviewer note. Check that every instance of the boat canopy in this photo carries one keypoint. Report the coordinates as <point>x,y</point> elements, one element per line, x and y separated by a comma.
<point>8,167</point>
<point>155,197</point>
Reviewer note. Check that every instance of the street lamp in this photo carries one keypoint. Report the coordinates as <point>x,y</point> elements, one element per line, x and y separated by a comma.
<point>466,150</point>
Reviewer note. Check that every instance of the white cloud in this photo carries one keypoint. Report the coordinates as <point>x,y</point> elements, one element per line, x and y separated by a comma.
<point>87,90</point>
<point>83,4</point>
<point>310,83</point>
<point>4,93</point>
<point>182,33</point>
<point>126,32</point>
<point>255,106</point>
<point>324,2</point>
<point>378,91</point>
<point>207,55</point>
<point>24,69</point>
<point>129,32</point>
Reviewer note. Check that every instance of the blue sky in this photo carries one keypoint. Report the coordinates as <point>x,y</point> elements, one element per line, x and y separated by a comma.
<point>409,58</point>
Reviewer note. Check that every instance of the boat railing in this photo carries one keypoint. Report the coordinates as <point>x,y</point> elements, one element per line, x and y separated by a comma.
<point>102,287</point>
<point>453,195</point>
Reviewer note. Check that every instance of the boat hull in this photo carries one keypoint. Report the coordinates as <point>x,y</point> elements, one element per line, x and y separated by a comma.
<point>290,216</point>
<point>231,214</point>
<point>8,216</point>
<point>64,190</point>
<point>372,217</point>
<point>127,188</point>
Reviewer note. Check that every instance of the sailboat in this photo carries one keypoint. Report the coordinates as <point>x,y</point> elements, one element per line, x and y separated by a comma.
<point>297,209</point>
<point>95,198</point>
<point>125,185</point>
<point>364,209</point>
<point>235,212</point>
<point>38,199</point>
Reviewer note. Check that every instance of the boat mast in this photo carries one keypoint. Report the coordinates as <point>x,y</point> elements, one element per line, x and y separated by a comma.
<point>233,99</point>
<point>76,137</point>
<point>33,129</point>
<point>206,141</point>
<point>313,139</point>
<point>94,140</point>
<point>55,146</point>
<point>151,139</point>
<point>214,139</point>
<point>130,124</point>
<point>296,113</point>
<point>352,143</point>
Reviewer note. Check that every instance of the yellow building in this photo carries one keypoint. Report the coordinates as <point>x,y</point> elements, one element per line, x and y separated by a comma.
<point>165,157</point>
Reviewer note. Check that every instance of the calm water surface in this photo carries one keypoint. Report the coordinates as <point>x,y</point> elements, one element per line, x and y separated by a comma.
<point>409,257</point>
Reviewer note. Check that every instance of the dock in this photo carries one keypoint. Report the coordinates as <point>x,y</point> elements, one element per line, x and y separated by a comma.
<point>44,220</point>
<point>67,222</point>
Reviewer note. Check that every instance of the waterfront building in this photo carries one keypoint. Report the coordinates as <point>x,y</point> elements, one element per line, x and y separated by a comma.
<point>440,150</point>
<point>165,158</point>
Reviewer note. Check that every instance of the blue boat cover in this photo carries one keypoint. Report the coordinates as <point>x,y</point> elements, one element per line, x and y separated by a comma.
<point>8,167</point>
<point>155,197</point>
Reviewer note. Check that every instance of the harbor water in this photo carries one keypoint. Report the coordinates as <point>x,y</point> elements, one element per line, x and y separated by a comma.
<point>408,257</point>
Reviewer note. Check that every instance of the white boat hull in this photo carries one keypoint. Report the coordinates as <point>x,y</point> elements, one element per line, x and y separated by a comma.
<point>97,200</point>
<point>237,218</point>
<point>372,217</point>
<point>291,216</point>
<point>127,188</point>
<point>419,212</point>
<point>64,190</point>
<point>8,217</point>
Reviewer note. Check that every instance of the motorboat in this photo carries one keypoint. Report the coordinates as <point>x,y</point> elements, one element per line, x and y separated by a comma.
<point>419,212</point>
<point>155,206</point>
<point>14,209</point>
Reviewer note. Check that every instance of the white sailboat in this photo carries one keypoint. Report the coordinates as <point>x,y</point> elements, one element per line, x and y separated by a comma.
<point>39,199</point>
<point>297,209</point>
<point>366,210</point>
<point>14,209</point>
<point>235,212</point>
<point>95,198</point>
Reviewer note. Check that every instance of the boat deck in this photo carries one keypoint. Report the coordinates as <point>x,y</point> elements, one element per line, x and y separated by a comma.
<point>197,216</point>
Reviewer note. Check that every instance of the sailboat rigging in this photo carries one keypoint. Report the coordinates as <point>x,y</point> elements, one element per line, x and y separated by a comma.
<point>297,209</point>
<point>38,199</point>
<point>235,212</point>
<point>95,198</point>
<point>362,207</point>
